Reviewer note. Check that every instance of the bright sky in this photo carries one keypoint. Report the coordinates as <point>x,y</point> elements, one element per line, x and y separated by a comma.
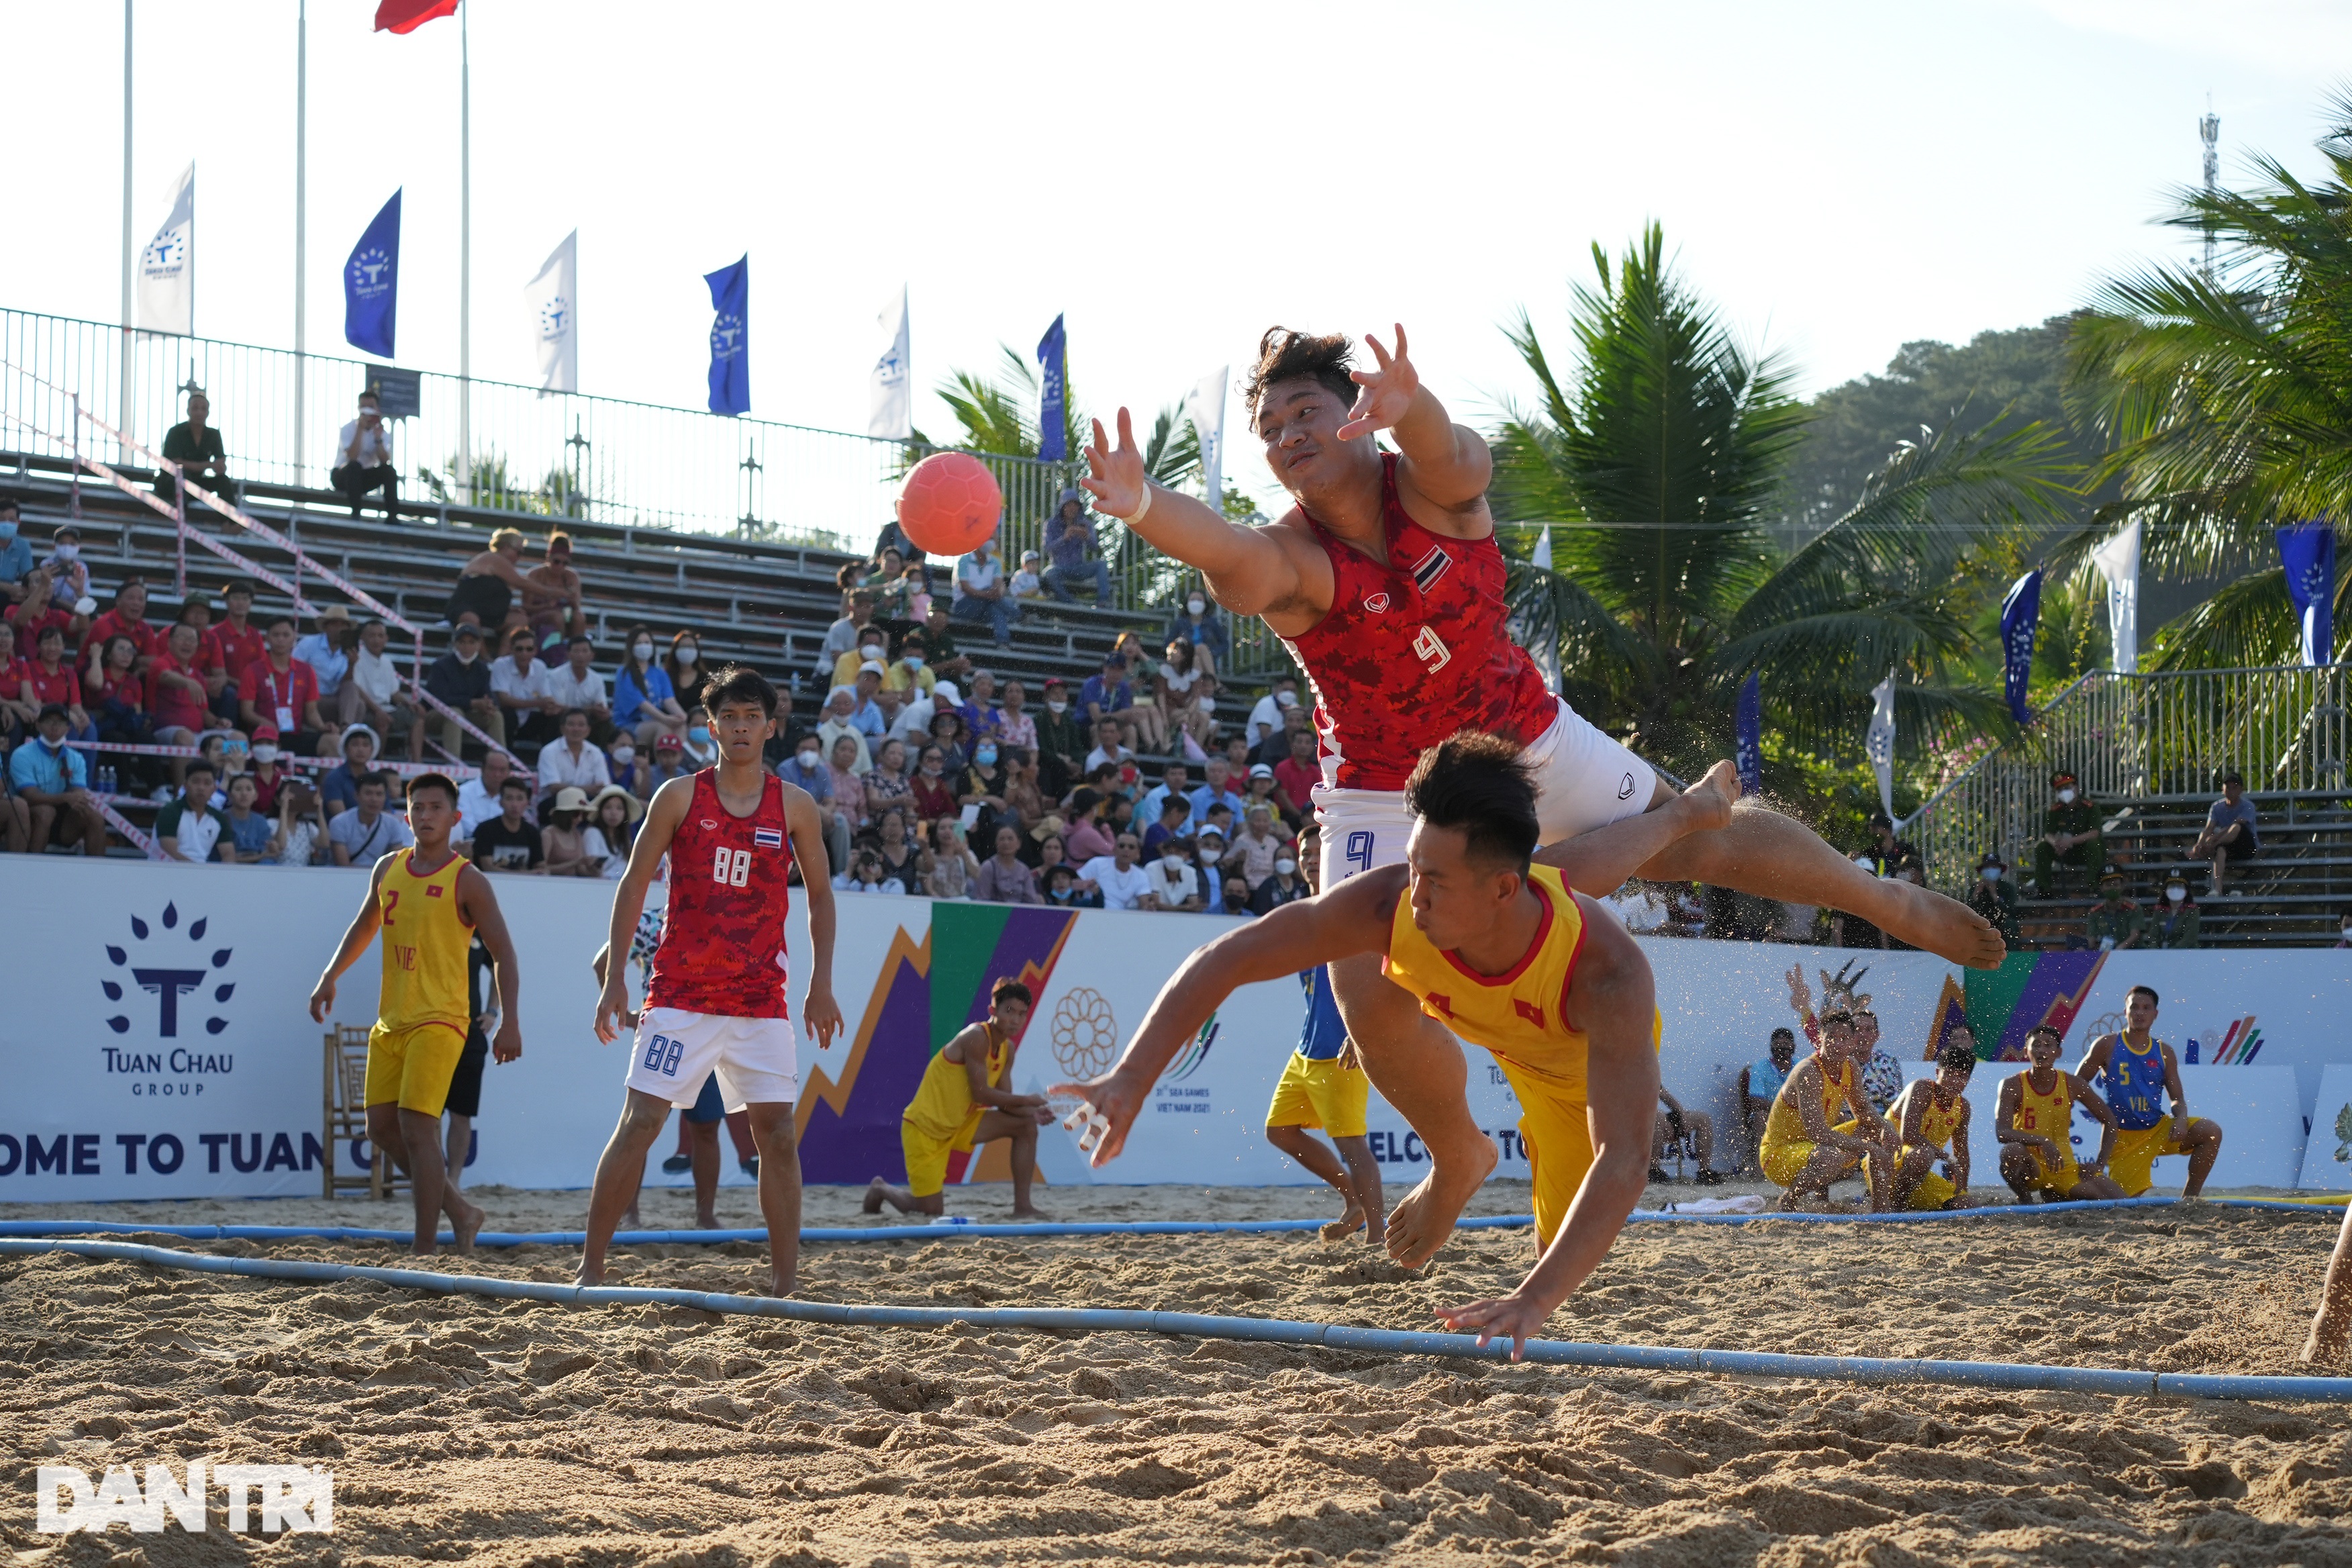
<point>1839,177</point>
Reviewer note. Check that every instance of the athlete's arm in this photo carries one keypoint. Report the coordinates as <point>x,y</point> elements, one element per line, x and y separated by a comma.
<point>2081,1092</point>
<point>819,1011</point>
<point>662,817</point>
<point>479,905</point>
<point>1910,1110</point>
<point>2094,1058</point>
<point>1352,918</point>
<point>2172,1087</point>
<point>355,940</point>
<point>2004,1118</point>
<point>1248,569</point>
<point>1612,1000</point>
<point>974,1041</point>
<point>1442,462</point>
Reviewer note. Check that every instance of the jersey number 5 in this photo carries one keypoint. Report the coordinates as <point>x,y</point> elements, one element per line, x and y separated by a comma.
<point>732,867</point>
<point>1431,649</point>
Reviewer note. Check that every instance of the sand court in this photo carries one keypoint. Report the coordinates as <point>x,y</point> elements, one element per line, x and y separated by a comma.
<point>519,1432</point>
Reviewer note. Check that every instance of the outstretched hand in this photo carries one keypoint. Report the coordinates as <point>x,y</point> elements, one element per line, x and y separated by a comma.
<point>1801,995</point>
<point>1388,391</point>
<point>1515,1317</point>
<point>1115,476</point>
<point>1106,1110</point>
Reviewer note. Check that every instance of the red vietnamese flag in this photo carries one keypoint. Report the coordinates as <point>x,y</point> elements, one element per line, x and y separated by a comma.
<point>407,16</point>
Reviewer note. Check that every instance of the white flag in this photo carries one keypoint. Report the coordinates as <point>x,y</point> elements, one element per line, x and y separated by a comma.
<point>554,299</point>
<point>167,267</point>
<point>2118,561</point>
<point>1542,556</point>
<point>1879,744</point>
<point>891,413</point>
<point>1204,405</point>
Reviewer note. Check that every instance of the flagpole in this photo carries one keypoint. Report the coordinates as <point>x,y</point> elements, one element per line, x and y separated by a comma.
<point>301,213</point>
<point>465,254</point>
<point>122,408</point>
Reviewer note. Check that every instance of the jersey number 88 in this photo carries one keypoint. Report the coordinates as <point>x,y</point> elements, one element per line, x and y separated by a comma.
<point>732,867</point>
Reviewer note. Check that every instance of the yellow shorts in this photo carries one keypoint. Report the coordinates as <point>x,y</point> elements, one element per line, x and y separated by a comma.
<point>927,1155</point>
<point>1320,1094</point>
<point>414,1066</point>
<point>2133,1162</point>
<point>1784,1162</point>
<point>1933,1190</point>
<point>2061,1181</point>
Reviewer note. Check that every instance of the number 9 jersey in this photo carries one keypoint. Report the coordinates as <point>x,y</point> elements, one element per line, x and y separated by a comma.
<point>722,940</point>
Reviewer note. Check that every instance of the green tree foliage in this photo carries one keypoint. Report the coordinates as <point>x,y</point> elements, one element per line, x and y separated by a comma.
<point>1662,454</point>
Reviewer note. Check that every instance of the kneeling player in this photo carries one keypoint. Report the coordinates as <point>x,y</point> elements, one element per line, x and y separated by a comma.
<point>2034,1120</point>
<point>1804,1151</point>
<point>716,997</point>
<point>962,1103</point>
<point>1932,1118</point>
<point>1500,952</point>
<point>2137,1072</point>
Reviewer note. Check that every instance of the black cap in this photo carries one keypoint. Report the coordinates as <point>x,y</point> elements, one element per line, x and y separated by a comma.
<point>53,711</point>
<point>2234,777</point>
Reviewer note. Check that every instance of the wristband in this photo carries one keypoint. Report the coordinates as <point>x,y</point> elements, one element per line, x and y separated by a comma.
<point>1137,515</point>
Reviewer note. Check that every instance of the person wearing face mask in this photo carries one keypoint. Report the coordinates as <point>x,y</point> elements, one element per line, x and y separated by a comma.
<point>460,679</point>
<point>868,645</point>
<point>1285,886</point>
<point>1174,885</point>
<point>2174,922</point>
<point>910,675</point>
<point>268,770</point>
<point>980,593</point>
<point>807,767</point>
<point>53,781</point>
<point>1197,622</point>
<point>68,572</point>
<point>1062,741</point>
<point>840,723</point>
<point>2070,837</point>
<point>688,672</point>
<point>1209,855</point>
<point>1995,897</point>
<point>842,637</point>
<point>16,553</point>
<point>644,704</point>
<point>984,781</point>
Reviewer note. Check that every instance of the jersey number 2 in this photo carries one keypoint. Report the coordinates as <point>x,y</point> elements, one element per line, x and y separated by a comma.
<point>732,867</point>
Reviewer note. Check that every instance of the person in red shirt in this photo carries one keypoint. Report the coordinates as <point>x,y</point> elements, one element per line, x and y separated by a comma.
<point>49,678</point>
<point>268,774</point>
<point>241,645</point>
<point>18,712</point>
<point>1297,773</point>
<point>176,690</point>
<point>116,695</point>
<point>198,612</point>
<point>281,690</point>
<point>127,619</point>
<point>39,610</point>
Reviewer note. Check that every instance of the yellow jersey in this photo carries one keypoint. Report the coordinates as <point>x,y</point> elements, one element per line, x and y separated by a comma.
<point>2050,1115</point>
<point>943,1107</point>
<point>1519,1014</point>
<point>425,941</point>
<point>1937,1123</point>
<point>1786,1124</point>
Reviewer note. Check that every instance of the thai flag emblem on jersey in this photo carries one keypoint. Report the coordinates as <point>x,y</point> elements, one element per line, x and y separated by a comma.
<point>767,838</point>
<point>1431,567</point>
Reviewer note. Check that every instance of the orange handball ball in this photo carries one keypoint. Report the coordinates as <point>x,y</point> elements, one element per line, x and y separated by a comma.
<point>951,503</point>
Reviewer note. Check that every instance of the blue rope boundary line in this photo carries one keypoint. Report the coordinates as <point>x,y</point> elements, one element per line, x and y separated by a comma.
<point>48,1227</point>
<point>2007,1375</point>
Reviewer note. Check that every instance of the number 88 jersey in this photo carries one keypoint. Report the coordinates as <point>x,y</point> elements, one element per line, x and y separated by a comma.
<point>722,941</point>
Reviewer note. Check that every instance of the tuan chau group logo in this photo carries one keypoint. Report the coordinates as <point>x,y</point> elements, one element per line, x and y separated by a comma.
<point>169,986</point>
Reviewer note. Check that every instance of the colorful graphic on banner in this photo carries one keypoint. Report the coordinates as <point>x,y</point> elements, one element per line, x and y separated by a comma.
<point>2029,990</point>
<point>1951,1012</point>
<point>924,994</point>
<point>2236,1047</point>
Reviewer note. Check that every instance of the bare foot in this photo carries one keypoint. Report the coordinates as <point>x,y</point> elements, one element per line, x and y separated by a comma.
<point>1945,927</point>
<point>1419,1225</point>
<point>1031,1217</point>
<point>1707,803</point>
<point>1347,1224</point>
<point>464,1221</point>
<point>584,1275</point>
<point>875,1192</point>
<point>2317,1349</point>
<point>706,1221</point>
<point>779,1284</point>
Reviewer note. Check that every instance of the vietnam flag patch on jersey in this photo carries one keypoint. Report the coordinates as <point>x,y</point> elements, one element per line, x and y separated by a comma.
<point>767,838</point>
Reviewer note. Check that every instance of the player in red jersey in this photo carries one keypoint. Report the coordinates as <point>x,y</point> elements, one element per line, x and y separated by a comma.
<point>1387,586</point>
<point>717,997</point>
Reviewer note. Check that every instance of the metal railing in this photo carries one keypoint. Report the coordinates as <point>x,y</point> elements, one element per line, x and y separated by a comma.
<point>2160,736</point>
<point>566,455</point>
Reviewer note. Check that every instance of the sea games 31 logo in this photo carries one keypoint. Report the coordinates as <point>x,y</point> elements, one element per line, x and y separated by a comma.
<point>187,982</point>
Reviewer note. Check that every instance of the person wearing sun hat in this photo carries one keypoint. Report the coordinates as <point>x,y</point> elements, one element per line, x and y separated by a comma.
<point>564,836</point>
<point>2071,835</point>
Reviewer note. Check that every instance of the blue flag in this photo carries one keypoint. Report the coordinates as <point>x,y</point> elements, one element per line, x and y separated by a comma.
<point>1749,754</point>
<point>731,339</point>
<point>371,284</point>
<point>1053,438</point>
<point>2307,550</point>
<point>2021,614</point>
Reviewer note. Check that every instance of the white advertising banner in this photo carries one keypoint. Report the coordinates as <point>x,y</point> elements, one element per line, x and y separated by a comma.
<point>159,1041</point>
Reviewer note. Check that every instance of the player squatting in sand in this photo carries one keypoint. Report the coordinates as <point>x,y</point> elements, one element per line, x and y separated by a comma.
<point>717,998</point>
<point>1386,584</point>
<point>429,901</point>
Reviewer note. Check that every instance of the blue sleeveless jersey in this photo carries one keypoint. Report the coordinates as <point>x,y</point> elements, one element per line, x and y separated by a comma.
<point>1324,1034</point>
<point>2134,1085</point>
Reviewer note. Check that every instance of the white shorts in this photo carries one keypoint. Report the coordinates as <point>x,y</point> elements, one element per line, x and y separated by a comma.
<point>1585,780</point>
<point>757,1059</point>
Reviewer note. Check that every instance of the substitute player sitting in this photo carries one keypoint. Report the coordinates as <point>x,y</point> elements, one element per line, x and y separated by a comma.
<point>1931,1119</point>
<point>962,1102</point>
<point>2137,1072</point>
<point>429,900</point>
<point>733,833</point>
<point>2034,1122</point>
<point>1505,955</point>
<point>1803,1150</point>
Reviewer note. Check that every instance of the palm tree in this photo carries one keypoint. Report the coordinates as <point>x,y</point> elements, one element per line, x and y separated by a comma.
<point>1659,459</point>
<point>2228,399</point>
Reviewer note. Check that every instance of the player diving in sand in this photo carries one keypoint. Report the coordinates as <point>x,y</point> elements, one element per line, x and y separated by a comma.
<point>1510,958</point>
<point>1386,584</point>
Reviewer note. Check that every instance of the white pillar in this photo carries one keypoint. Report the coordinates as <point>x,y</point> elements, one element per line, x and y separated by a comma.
<point>465,257</point>
<point>122,396</point>
<point>301,219</point>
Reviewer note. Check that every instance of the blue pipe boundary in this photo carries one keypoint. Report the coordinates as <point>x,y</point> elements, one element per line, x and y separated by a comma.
<point>49,1227</point>
<point>2006,1375</point>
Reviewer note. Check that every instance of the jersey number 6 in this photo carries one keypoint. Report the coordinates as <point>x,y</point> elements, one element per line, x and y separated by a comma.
<point>732,867</point>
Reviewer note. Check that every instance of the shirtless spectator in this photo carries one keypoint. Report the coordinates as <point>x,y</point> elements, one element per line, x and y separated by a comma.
<point>2033,1124</point>
<point>486,590</point>
<point>551,594</point>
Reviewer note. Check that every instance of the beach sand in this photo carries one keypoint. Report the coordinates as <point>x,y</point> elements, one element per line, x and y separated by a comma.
<point>518,1433</point>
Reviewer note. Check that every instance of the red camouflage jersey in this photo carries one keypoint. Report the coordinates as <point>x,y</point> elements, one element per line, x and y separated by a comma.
<point>1413,651</point>
<point>722,940</point>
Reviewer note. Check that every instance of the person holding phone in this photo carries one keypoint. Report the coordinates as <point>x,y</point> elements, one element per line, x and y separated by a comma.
<point>363,459</point>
